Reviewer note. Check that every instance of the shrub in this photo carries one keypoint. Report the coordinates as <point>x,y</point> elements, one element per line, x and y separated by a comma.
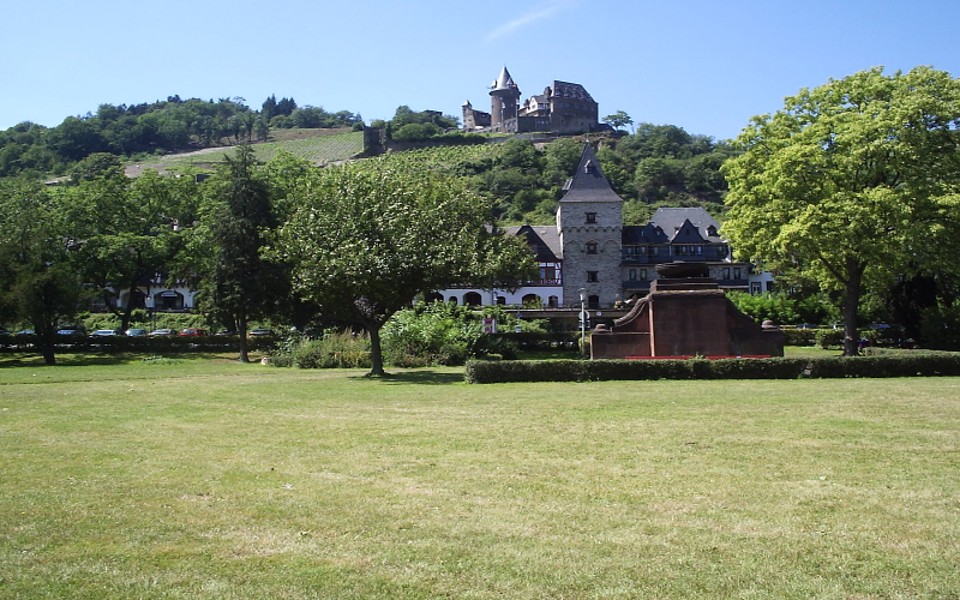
<point>940,327</point>
<point>799,337</point>
<point>892,364</point>
<point>829,338</point>
<point>333,350</point>
<point>441,333</point>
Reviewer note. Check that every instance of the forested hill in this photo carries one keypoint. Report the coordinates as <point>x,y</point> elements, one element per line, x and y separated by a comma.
<point>657,165</point>
<point>173,125</point>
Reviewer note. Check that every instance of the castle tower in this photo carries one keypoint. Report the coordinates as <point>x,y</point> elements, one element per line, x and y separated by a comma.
<point>504,100</point>
<point>590,224</point>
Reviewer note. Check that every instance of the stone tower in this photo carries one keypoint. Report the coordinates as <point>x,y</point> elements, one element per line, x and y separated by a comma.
<point>590,224</point>
<point>504,100</point>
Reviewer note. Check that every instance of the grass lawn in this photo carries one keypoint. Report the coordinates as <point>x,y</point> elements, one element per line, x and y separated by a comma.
<point>204,478</point>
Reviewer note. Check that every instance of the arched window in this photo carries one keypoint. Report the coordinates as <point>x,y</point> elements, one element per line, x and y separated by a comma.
<point>531,300</point>
<point>434,297</point>
<point>168,300</point>
<point>472,299</point>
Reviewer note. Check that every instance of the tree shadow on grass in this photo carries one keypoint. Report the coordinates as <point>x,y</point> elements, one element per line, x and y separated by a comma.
<point>420,377</point>
<point>73,360</point>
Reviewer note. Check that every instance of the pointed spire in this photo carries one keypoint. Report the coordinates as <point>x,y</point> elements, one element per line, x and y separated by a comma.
<point>588,183</point>
<point>504,82</point>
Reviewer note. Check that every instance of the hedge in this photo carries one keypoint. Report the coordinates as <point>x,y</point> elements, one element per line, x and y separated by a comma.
<point>912,364</point>
<point>122,343</point>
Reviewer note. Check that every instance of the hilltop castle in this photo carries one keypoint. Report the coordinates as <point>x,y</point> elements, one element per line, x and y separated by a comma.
<point>562,108</point>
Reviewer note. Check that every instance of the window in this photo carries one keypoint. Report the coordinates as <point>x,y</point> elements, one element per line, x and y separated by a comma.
<point>726,273</point>
<point>633,274</point>
<point>591,247</point>
<point>548,274</point>
<point>643,274</point>
<point>591,218</point>
<point>736,273</point>
<point>592,276</point>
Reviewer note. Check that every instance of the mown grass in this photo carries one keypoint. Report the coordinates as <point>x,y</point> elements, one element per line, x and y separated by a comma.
<point>211,479</point>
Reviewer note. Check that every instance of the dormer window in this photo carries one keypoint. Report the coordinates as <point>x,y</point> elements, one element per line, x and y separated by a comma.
<point>591,218</point>
<point>711,231</point>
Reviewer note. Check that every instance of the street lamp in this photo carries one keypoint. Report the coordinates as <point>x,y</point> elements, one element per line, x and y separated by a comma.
<point>148,302</point>
<point>583,320</point>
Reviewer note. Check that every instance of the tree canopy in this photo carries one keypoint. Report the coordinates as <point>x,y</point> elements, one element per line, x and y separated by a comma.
<point>364,241</point>
<point>39,283</point>
<point>236,284</point>
<point>851,184</point>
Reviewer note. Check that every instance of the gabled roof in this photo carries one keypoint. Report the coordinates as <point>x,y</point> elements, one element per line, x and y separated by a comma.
<point>687,234</point>
<point>588,183</point>
<point>543,239</point>
<point>647,234</point>
<point>700,226</point>
<point>563,89</point>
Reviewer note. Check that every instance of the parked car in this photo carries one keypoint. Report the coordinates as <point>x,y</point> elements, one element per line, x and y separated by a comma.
<point>25,332</point>
<point>103,333</point>
<point>261,332</point>
<point>192,332</point>
<point>135,332</point>
<point>162,332</point>
<point>70,331</point>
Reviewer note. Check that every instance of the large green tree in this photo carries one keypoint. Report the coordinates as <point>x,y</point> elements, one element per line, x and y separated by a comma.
<point>618,120</point>
<point>851,184</point>
<point>130,230</point>
<point>39,283</point>
<point>364,241</point>
<point>236,284</point>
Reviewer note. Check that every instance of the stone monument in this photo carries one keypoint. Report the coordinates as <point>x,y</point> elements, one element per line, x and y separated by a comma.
<point>685,314</point>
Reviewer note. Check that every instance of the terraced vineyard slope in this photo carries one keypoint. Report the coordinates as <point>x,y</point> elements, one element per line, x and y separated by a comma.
<point>327,146</point>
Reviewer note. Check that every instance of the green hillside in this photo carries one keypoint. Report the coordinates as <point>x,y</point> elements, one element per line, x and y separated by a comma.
<point>319,146</point>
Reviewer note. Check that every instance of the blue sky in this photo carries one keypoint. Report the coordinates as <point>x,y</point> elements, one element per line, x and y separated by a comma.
<point>706,66</point>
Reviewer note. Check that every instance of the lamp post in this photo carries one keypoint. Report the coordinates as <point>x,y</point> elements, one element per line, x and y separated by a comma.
<point>148,302</point>
<point>583,321</point>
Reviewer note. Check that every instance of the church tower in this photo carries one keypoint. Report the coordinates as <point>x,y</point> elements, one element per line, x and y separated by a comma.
<point>504,100</point>
<point>590,225</point>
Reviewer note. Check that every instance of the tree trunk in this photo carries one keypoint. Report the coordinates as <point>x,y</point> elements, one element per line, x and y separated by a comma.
<point>242,332</point>
<point>851,304</point>
<point>128,309</point>
<point>376,354</point>
<point>45,337</point>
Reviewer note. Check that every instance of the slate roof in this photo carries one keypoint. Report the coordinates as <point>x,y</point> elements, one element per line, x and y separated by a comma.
<point>564,89</point>
<point>672,220</point>
<point>504,82</point>
<point>588,183</point>
<point>634,235</point>
<point>544,239</point>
